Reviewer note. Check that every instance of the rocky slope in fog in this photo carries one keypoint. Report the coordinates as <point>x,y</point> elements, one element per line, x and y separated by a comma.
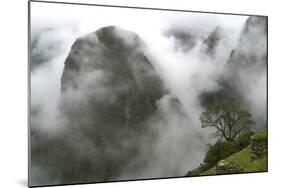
<point>247,66</point>
<point>117,82</point>
<point>248,60</point>
<point>211,43</point>
<point>109,91</point>
<point>245,71</point>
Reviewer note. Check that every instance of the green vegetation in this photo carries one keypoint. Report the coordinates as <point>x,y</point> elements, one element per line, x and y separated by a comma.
<point>220,150</point>
<point>243,159</point>
<point>260,135</point>
<point>238,149</point>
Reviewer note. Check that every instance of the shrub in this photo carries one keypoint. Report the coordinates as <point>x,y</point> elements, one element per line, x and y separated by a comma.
<point>244,140</point>
<point>220,150</point>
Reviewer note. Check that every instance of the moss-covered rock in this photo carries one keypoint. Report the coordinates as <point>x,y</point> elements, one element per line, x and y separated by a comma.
<point>225,167</point>
<point>258,146</point>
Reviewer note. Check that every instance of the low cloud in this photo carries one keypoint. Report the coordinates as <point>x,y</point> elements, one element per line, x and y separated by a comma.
<point>173,141</point>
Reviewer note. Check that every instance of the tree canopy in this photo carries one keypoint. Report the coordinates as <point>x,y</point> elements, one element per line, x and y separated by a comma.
<point>227,116</point>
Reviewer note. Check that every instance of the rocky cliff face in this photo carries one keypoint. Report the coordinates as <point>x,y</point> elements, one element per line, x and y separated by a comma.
<point>109,91</point>
<point>250,55</point>
<point>245,71</point>
<point>247,66</point>
<point>210,44</point>
<point>118,84</point>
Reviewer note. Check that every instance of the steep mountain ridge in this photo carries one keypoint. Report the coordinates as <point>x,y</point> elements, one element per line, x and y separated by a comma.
<point>109,94</point>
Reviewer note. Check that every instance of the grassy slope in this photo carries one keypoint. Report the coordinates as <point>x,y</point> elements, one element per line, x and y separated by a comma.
<point>242,158</point>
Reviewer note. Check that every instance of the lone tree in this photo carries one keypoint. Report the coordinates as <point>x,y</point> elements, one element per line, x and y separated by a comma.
<point>227,117</point>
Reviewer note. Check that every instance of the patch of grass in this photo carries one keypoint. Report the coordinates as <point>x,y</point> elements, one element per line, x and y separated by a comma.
<point>260,135</point>
<point>243,159</point>
<point>211,171</point>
